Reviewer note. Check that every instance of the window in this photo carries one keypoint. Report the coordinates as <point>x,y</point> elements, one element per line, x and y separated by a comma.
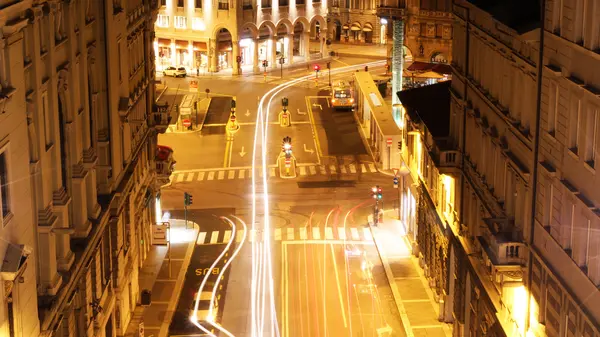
<point>48,134</point>
<point>575,117</point>
<point>198,3</point>
<point>591,136</point>
<point>4,185</point>
<point>265,3</point>
<point>302,2</point>
<point>224,4</point>
<point>283,3</point>
<point>162,21</point>
<point>588,232</point>
<point>198,24</point>
<point>163,3</point>
<point>180,3</point>
<point>247,4</point>
<point>557,16</point>
<point>180,22</point>
<point>580,21</point>
<point>552,108</point>
<point>549,202</point>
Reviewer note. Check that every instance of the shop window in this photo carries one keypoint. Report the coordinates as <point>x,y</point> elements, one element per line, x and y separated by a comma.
<point>223,4</point>
<point>283,2</point>
<point>199,3</point>
<point>247,4</point>
<point>180,3</point>
<point>266,3</point>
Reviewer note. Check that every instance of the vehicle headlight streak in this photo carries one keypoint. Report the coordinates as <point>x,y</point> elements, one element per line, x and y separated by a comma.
<point>210,317</point>
<point>262,270</point>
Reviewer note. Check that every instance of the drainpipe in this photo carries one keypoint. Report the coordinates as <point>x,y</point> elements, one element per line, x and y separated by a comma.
<point>536,142</point>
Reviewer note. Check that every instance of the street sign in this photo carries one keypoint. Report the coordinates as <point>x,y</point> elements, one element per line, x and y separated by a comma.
<point>396,171</point>
<point>282,60</point>
<point>395,182</point>
<point>388,142</point>
<point>207,91</point>
<point>186,123</point>
<point>193,86</point>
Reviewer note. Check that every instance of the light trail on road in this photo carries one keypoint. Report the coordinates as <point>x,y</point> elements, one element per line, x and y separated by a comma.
<point>262,284</point>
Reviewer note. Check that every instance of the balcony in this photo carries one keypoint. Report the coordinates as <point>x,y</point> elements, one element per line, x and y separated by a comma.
<point>392,12</point>
<point>501,243</point>
<point>165,164</point>
<point>160,117</point>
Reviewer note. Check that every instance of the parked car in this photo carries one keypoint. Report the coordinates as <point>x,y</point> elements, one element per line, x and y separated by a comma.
<point>175,72</point>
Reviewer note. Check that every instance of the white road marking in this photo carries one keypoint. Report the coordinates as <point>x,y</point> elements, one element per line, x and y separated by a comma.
<point>372,167</point>
<point>343,169</point>
<point>322,169</point>
<point>290,234</point>
<point>302,170</point>
<point>312,169</point>
<point>316,233</point>
<point>332,169</point>
<point>367,233</point>
<point>363,168</point>
<point>231,174</point>
<point>180,177</point>
<point>272,172</point>
<point>227,236</point>
<point>352,168</point>
<point>341,233</point>
<point>190,177</point>
<point>303,233</point>
<point>214,237</point>
<point>221,175</point>
<point>355,235</point>
<point>200,176</point>
<point>328,233</point>
<point>211,175</point>
<point>277,235</point>
<point>242,174</point>
<point>239,236</point>
<point>201,238</point>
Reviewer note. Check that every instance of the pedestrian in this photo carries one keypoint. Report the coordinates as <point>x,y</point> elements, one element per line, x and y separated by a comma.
<point>197,71</point>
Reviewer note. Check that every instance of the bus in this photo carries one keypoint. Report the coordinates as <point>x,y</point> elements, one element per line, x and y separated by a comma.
<point>342,96</point>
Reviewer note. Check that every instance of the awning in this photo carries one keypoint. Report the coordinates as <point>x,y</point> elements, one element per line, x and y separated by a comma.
<point>425,66</point>
<point>429,74</point>
<point>200,46</point>
<point>355,26</point>
<point>164,42</point>
<point>345,27</point>
<point>368,27</point>
<point>181,44</point>
<point>224,46</point>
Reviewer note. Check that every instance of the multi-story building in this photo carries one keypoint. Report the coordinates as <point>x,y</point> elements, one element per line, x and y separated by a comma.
<point>427,25</point>
<point>565,249</point>
<point>202,36</point>
<point>77,166</point>
<point>493,124</point>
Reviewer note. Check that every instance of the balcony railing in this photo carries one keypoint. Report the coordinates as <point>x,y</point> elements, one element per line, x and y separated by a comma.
<point>161,117</point>
<point>392,12</point>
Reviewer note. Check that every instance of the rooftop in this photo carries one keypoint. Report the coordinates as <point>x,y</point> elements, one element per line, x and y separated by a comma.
<point>520,15</point>
<point>430,104</point>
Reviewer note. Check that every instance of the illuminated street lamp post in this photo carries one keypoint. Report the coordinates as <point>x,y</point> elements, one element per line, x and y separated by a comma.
<point>287,150</point>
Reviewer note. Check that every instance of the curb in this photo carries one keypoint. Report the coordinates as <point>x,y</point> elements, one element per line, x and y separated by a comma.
<point>393,286</point>
<point>164,327</point>
<point>161,93</point>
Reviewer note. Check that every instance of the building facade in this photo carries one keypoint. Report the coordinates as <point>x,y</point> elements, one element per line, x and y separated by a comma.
<point>427,25</point>
<point>565,249</point>
<point>78,89</point>
<point>200,36</point>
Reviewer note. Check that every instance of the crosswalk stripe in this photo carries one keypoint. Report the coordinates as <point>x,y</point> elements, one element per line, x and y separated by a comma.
<point>231,174</point>
<point>221,175</point>
<point>227,236</point>
<point>190,177</point>
<point>341,233</point>
<point>332,168</point>
<point>316,233</point>
<point>302,170</point>
<point>206,296</point>
<point>363,168</point>
<point>303,233</point>
<point>239,235</point>
<point>322,169</point>
<point>252,236</point>
<point>354,232</point>
<point>312,169</point>
<point>211,175</point>
<point>290,234</point>
<point>367,233</point>
<point>201,238</point>
<point>214,237</point>
<point>372,167</point>
<point>242,174</point>
<point>343,169</point>
<point>200,176</point>
<point>277,235</point>
<point>179,177</point>
<point>272,172</point>
<point>328,233</point>
<point>352,168</point>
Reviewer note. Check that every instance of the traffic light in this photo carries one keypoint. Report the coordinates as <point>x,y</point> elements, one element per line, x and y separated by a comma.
<point>317,68</point>
<point>366,68</point>
<point>287,146</point>
<point>400,145</point>
<point>328,65</point>
<point>379,193</point>
<point>233,104</point>
<point>265,63</point>
<point>376,192</point>
<point>187,199</point>
<point>284,101</point>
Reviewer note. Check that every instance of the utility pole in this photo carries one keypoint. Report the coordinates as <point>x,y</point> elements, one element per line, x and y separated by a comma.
<point>281,62</point>
<point>329,69</point>
<point>377,194</point>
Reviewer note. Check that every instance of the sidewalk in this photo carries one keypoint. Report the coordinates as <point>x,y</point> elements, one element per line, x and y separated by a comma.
<point>418,309</point>
<point>165,288</point>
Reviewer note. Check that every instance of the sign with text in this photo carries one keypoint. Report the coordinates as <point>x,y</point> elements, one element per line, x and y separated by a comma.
<point>193,86</point>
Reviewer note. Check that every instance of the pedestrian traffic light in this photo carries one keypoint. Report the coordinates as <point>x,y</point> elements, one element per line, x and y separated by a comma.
<point>328,65</point>
<point>366,68</point>
<point>374,192</point>
<point>379,193</point>
<point>265,63</point>
<point>284,101</point>
<point>317,68</point>
<point>187,199</point>
<point>233,104</point>
<point>400,145</point>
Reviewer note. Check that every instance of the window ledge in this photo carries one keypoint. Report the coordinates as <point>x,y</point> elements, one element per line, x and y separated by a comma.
<point>551,136</point>
<point>573,153</point>
<point>7,219</point>
<point>589,165</point>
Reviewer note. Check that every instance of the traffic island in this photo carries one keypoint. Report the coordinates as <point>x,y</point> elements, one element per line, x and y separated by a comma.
<point>287,167</point>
